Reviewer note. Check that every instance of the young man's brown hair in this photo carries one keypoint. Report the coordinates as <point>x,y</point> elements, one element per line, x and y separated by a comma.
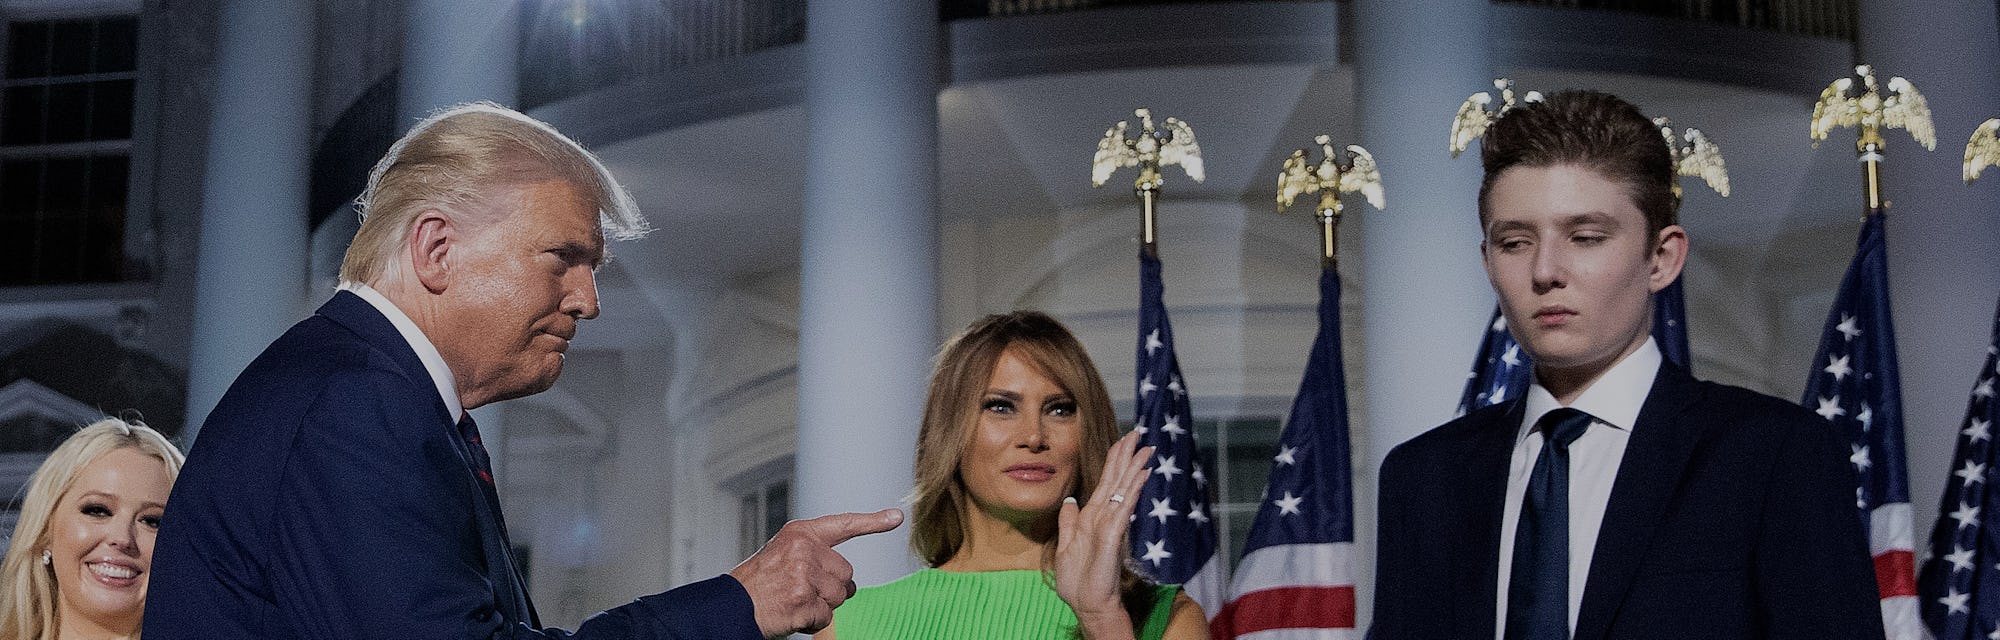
<point>1588,129</point>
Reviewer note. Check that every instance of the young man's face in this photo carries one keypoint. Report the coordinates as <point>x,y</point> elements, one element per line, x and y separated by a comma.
<point>1568,253</point>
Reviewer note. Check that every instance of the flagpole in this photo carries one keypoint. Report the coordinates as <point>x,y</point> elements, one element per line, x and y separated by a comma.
<point>1853,382</point>
<point>1172,539</point>
<point>1329,233</point>
<point>1149,198</point>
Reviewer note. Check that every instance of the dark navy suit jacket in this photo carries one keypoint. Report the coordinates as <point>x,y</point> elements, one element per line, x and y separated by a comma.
<point>1732,516</point>
<point>331,496</point>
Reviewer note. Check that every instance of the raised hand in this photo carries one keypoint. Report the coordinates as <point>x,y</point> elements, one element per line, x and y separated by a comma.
<point>797,579</point>
<point>1090,541</point>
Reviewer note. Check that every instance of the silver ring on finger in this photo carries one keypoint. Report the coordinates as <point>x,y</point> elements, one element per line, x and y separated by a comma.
<point>1116,498</point>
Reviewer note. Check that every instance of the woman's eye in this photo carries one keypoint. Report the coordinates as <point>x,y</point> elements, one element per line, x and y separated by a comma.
<point>998,406</point>
<point>1064,409</point>
<point>151,522</point>
<point>96,510</point>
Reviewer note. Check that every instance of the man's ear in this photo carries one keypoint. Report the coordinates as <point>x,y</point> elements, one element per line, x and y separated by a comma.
<point>431,240</point>
<point>1670,252</point>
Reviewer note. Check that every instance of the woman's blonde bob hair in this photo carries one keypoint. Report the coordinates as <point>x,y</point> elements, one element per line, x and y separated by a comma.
<point>27,588</point>
<point>458,157</point>
<point>940,505</point>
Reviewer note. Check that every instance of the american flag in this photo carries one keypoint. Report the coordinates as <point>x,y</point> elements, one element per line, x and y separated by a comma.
<point>1173,538</point>
<point>1295,581</point>
<point>1961,583</point>
<point>1501,372</point>
<point>1854,385</point>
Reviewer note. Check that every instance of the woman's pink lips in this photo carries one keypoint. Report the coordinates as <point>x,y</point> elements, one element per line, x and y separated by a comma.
<point>1031,472</point>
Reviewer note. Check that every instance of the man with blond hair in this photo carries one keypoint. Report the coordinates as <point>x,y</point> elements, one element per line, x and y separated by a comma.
<point>341,490</point>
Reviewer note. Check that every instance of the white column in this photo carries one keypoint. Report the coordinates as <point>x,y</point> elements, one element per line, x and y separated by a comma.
<point>458,51</point>
<point>1943,236</point>
<point>251,267</point>
<point>461,51</point>
<point>868,264</point>
<point>1426,297</point>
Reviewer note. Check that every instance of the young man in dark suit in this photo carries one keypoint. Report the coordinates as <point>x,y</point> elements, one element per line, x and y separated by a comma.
<point>340,490</point>
<point>1620,497</point>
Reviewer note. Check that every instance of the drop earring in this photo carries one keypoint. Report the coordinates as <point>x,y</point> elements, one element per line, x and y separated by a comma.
<point>47,557</point>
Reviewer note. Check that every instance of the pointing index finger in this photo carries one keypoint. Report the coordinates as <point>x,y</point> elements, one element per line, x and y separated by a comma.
<point>840,527</point>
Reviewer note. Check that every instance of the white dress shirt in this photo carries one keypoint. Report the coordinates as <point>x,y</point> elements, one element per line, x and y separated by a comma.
<point>1614,401</point>
<point>447,387</point>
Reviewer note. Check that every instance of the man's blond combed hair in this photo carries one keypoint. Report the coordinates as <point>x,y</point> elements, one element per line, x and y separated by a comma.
<point>455,159</point>
<point>27,588</point>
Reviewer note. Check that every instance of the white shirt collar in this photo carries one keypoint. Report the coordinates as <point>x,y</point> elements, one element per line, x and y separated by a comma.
<point>1614,399</point>
<point>447,387</point>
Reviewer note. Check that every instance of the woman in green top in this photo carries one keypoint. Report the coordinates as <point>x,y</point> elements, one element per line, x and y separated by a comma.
<point>1020,521</point>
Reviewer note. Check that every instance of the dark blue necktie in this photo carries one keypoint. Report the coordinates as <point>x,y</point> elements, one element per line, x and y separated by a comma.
<point>1538,587</point>
<point>482,465</point>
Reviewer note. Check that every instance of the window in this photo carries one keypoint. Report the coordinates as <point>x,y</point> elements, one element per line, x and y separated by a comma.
<point>1241,469</point>
<point>764,510</point>
<point>65,142</point>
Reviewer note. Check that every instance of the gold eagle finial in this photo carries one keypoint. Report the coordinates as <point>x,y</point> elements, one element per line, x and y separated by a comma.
<point>1872,110</point>
<point>1357,172</point>
<point>1155,147</point>
<point>1983,150</point>
<point>1695,156</point>
<point>1474,118</point>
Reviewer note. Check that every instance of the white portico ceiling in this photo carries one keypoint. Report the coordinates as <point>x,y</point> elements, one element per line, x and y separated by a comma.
<point>1055,121</point>
<point>725,194</point>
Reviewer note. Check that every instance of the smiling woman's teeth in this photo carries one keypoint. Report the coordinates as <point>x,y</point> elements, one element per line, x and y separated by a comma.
<point>112,570</point>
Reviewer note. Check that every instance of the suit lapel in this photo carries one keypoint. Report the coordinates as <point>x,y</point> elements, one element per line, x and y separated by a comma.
<point>1481,497</point>
<point>1655,459</point>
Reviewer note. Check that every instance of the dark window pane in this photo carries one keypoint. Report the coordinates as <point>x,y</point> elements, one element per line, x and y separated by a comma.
<point>21,122</point>
<point>749,521</point>
<point>20,186</point>
<point>111,110</point>
<point>1252,444</point>
<point>69,113</point>
<point>108,175</point>
<point>61,247</point>
<point>117,45</point>
<point>73,42</point>
<point>66,191</point>
<point>777,508</point>
<point>28,50</point>
<point>62,220</point>
<point>107,178</point>
<point>104,249</point>
<point>17,252</point>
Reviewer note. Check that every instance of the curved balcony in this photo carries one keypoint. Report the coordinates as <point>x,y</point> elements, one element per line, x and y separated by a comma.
<point>582,47</point>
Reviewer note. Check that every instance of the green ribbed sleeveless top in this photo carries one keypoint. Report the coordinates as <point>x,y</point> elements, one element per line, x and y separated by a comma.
<point>986,605</point>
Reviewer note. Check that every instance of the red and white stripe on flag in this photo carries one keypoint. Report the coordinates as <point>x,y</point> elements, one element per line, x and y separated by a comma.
<point>1291,592</point>
<point>1891,540</point>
